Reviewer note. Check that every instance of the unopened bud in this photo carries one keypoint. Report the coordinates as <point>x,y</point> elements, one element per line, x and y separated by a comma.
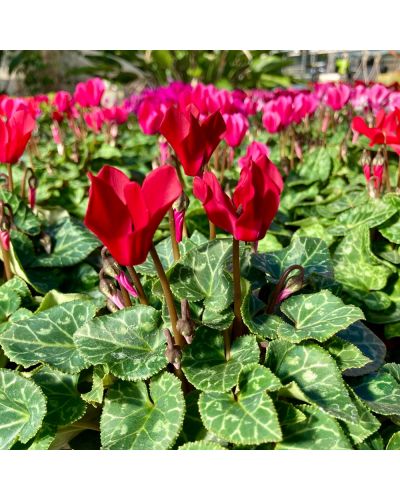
<point>111,306</point>
<point>365,158</point>
<point>185,325</point>
<point>172,352</point>
<point>111,268</point>
<point>45,241</point>
<point>182,203</point>
<point>5,239</point>
<point>186,328</point>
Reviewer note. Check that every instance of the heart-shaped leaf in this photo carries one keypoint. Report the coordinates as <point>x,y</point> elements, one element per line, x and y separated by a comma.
<point>130,342</point>
<point>72,243</point>
<point>139,418</point>
<point>316,374</point>
<point>46,337</point>
<point>22,408</point>
<point>316,316</point>
<point>356,266</point>
<point>204,363</point>
<point>201,275</point>
<point>318,432</point>
<point>369,344</point>
<point>64,403</point>
<point>246,417</point>
<point>310,253</point>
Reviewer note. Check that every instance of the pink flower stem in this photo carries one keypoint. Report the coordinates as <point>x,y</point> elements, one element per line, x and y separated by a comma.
<point>138,285</point>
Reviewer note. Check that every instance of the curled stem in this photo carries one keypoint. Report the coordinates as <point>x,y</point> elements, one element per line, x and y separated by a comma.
<point>281,285</point>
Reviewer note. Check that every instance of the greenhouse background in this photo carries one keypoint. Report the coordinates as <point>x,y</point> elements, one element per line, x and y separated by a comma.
<point>24,72</point>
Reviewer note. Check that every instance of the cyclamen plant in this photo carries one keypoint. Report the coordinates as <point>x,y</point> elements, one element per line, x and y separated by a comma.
<point>240,295</point>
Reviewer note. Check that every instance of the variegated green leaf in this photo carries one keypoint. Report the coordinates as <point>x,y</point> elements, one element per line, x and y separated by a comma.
<point>255,318</point>
<point>315,373</point>
<point>204,363</point>
<point>96,393</point>
<point>247,416</point>
<point>201,445</point>
<point>129,342</point>
<point>139,418</point>
<point>366,423</point>
<point>22,408</point>
<point>318,431</point>
<point>368,343</point>
<point>201,275</point>
<point>370,214</point>
<point>72,243</point>
<point>310,253</point>
<point>165,252</point>
<point>356,266</point>
<point>394,441</point>
<point>380,392</point>
<point>46,337</point>
<point>64,403</point>
<point>316,316</point>
<point>24,219</point>
<point>346,354</point>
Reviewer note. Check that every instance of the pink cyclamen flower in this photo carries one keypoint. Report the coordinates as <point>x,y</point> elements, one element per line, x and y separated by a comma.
<point>94,120</point>
<point>165,154</point>
<point>116,299</point>
<point>336,96</point>
<point>10,105</point>
<point>62,101</point>
<point>124,282</point>
<point>55,131</point>
<point>236,127</point>
<point>89,93</point>
<point>150,115</point>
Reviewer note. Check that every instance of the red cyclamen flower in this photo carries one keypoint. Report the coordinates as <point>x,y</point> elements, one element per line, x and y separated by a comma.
<point>14,135</point>
<point>255,201</point>
<point>192,141</point>
<point>125,215</point>
<point>385,131</point>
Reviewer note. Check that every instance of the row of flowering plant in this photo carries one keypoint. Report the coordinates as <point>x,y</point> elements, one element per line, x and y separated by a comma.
<point>198,268</point>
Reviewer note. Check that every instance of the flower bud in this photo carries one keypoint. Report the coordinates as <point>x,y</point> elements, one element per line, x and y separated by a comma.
<point>5,239</point>
<point>172,352</point>
<point>111,268</point>
<point>182,203</point>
